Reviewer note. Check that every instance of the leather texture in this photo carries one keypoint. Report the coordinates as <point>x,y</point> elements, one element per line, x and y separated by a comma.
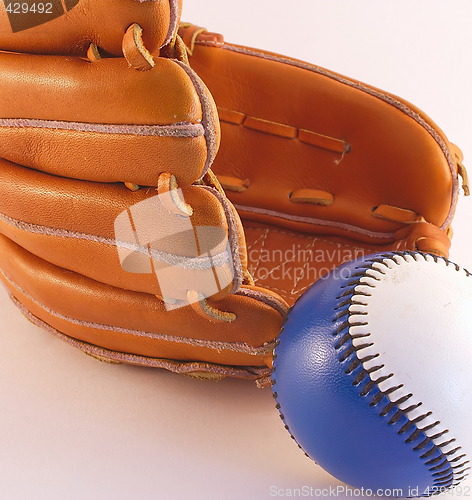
<point>372,366</point>
<point>77,115</point>
<point>89,245</point>
<point>327,132</point>
<point>358,170</point>
<point>117,236</point>
<point>136,323</point>
<point>74,24</point>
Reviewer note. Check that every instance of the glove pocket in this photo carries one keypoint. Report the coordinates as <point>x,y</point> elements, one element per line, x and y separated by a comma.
<point>305,145</point>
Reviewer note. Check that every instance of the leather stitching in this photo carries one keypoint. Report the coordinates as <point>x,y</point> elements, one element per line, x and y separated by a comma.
<point>303,236</point>
<point>375,93</point>
<point>181,367</point>
<point>209,121</point>
<point>311,246</point>
<point>265,280</point>
<point>317,140</point>
<point>198,263</point>
<point>261,296</point>
<point>184,129</point>
<point>317,222</point>
<point>264,234</point>
<point>240,347</point>
<point>263,242</point>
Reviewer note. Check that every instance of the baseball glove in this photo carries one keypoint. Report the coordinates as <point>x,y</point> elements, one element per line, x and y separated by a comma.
<point>117,237</point>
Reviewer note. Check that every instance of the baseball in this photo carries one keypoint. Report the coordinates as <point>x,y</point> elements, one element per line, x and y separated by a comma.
<point>372,373</point>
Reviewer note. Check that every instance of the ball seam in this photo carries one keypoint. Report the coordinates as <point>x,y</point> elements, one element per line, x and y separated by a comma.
<point>447,469</point>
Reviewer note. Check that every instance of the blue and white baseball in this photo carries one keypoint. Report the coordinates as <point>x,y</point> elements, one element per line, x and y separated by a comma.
<point>373,373</point>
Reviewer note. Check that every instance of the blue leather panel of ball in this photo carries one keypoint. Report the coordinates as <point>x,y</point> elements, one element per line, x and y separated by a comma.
<point>325,413</point>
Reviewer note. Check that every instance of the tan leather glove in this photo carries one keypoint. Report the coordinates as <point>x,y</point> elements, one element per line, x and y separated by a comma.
<point>69,26</point>
<point>114,233</point>
<point>322,167</point>
<point>117,236</point>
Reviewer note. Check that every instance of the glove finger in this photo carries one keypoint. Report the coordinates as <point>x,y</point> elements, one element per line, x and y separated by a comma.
<point>140,242</point>
<point>131,322</point>
<point>70,26</point>
<point>104,121</point>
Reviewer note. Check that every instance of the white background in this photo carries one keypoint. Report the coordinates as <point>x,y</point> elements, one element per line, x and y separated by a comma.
<point>74,428</point>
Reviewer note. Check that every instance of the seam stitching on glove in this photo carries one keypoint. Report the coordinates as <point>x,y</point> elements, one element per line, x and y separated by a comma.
<point>181,129</point>
<point>239,347</point>
<point>233,238</point>
<point>173,21</point>
<point>198,263</point>
<point>209,122</point>
<point>317,222</point>
<point>301,236</point>
<point>261,296</point>
<point>181,367</point>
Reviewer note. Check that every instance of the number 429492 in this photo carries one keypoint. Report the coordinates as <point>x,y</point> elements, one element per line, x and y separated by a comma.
<point>29,8</point>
